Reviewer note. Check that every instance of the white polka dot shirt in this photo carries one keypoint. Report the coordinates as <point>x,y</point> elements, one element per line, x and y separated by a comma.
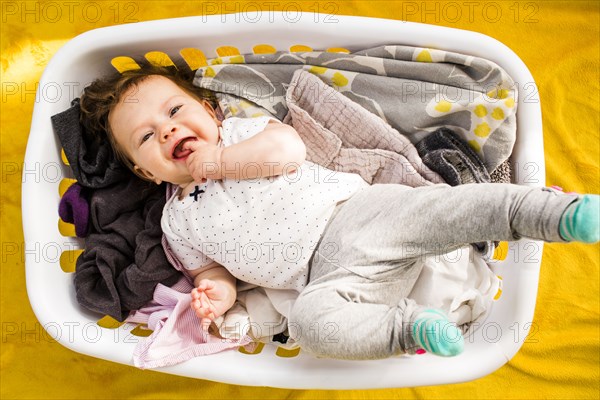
<point>262,230</point>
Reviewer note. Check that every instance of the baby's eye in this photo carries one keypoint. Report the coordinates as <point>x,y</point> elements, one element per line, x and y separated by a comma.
<point>147,136</point>
<point>174,110</point>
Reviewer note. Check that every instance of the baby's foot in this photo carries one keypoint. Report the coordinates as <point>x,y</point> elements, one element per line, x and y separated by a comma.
<point>581,220</point>
<point>434,333</point>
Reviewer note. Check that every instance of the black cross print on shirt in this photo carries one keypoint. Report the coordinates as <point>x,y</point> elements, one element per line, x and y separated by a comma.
<point>196,193</point>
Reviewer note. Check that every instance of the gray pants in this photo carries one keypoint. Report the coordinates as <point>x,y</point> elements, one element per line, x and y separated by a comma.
<point>355,305</point>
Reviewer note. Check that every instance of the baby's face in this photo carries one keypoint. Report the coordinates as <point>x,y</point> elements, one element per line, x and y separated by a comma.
<point>152,121</point>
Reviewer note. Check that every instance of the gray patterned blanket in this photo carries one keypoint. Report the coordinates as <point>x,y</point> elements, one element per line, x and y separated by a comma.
<point>414,90</point>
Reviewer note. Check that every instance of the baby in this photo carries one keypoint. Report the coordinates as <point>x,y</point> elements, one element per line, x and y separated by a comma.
<point>249,207</point>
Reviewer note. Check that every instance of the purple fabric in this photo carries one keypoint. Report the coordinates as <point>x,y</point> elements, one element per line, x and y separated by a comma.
<point>74,208</point>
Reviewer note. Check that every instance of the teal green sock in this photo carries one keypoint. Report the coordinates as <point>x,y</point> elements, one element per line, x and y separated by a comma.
<point>581,220</point>
<point>434,333</point>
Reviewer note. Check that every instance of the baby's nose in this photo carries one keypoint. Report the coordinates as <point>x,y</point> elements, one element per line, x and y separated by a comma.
<point>168,131</point>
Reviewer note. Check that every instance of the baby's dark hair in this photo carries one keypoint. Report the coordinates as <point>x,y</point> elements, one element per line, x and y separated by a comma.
<point>102,95</point>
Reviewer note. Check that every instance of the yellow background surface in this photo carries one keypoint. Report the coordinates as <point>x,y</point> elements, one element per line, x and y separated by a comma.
<point>558,41</point>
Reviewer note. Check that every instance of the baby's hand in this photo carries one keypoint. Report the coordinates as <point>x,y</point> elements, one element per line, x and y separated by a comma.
<point>205,160</point>
<point>210,300</point>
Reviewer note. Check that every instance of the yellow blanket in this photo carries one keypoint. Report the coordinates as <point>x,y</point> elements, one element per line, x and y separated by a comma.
<point>559,43</point>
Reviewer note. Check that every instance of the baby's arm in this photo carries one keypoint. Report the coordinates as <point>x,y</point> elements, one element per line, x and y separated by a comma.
<point>277,149</point>
<point>214,292</point>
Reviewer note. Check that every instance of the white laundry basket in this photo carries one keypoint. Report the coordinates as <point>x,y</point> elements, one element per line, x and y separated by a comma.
<point>88,56</point>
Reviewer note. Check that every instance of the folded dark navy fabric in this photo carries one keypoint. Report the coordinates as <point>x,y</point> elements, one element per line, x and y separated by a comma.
<point>90,156</point>
<point>450,156</point>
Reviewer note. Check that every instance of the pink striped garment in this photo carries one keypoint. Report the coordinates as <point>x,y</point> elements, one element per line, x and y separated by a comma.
<point>177,335</point>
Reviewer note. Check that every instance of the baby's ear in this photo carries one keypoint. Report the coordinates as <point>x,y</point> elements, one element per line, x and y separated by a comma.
<point>147,175</point>
<point>211,111</point>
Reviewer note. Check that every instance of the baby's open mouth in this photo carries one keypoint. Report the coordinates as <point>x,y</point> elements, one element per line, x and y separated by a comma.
<point>179,151</point>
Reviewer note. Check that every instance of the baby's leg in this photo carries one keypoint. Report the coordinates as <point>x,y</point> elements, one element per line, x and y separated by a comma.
<point>344,315</point>
<point>393,222</point>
